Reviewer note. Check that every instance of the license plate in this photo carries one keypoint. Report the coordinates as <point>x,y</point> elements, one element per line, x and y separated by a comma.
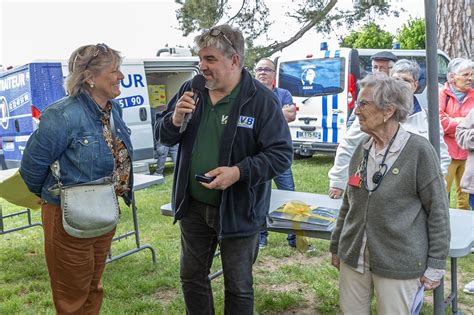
<point>308,135</point>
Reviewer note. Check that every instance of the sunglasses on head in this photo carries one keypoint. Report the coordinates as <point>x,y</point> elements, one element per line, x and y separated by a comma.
<point>100,48</point>
<point>215,32</point>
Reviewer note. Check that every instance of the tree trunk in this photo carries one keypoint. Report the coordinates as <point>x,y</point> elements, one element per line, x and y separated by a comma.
<point>455,27</point>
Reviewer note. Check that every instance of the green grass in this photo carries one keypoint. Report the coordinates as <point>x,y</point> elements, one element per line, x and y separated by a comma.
<point>286,282</point>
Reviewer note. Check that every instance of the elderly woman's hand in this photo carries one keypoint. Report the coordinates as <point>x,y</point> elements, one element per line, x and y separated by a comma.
<point>335,261</point>
<point>429,284</point>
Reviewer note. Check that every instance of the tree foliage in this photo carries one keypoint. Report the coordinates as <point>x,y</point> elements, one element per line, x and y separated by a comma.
<point>370,36</point>
<point>412,34</point>
<point>254,20</point>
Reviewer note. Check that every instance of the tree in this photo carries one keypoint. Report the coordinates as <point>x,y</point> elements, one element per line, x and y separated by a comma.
<point>253,19</point>
<point>370,36</point>
<point>412,34</point>
<point>455,27</point>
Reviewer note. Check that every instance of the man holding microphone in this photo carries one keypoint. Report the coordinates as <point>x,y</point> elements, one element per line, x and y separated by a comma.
<point>231,146</point>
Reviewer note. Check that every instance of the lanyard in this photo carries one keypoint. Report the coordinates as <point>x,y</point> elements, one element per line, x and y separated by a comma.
<point>380,173</point>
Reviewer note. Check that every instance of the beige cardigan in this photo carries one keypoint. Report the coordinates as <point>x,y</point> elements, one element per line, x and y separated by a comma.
<point>465,139</point>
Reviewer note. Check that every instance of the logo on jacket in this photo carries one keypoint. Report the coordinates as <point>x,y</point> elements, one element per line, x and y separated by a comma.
<point>224,119</point>
<point>246,122</point>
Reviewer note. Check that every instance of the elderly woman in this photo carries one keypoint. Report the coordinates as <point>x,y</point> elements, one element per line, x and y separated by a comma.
<point>77,131</point>
<point>416,122</point>
<point>392,233</point>
<point>456,99</point>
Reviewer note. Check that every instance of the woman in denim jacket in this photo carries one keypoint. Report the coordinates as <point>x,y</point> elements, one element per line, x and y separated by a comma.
<point>76,131</point>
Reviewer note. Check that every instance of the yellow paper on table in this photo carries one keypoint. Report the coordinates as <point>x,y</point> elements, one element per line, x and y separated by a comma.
<point>298,212</point>
<point>13,189</point>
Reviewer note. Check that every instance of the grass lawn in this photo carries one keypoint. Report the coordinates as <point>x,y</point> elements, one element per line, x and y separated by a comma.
<point>286,281</point>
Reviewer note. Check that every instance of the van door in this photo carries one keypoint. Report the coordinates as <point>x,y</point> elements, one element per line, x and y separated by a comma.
<point>320,89</point>
<point>136,108</point>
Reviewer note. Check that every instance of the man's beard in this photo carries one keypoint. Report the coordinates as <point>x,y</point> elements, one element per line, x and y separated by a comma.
<point>211,85</point>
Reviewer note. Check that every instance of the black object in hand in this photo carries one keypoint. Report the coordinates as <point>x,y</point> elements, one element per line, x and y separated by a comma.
<point>198,84</point>
<point>203,178</point>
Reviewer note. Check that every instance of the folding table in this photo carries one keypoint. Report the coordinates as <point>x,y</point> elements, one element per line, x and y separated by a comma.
<point>462,236</point>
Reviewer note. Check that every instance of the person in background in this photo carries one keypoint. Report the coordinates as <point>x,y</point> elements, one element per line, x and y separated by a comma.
<point>381,64</point>
<point>465,139</point>
<point>456,99</point>
<point>232,139</point>
<point>392,234</point>
<point>417,123</point>
<point>162,151</point>
<point>265,73</point>
<point>76,130</point>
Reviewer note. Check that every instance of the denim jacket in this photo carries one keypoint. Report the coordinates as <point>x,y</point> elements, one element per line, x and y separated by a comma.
<point>71,131</point>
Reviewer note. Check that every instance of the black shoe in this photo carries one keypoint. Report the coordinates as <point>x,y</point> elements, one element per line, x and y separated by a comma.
<point>291,240</point>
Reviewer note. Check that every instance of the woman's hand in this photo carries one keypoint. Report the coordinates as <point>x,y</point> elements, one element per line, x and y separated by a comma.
<point>335,261</point>
<point>429,284</point>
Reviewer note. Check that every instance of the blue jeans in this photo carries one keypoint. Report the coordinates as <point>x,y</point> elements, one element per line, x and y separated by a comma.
<point>283,182</point>
<point>199,238</point>
<point>471,201</point>
<point>162,153</point>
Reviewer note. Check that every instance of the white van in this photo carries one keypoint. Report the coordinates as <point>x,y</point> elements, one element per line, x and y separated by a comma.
<point>324,89</point>
<point>146,88</point>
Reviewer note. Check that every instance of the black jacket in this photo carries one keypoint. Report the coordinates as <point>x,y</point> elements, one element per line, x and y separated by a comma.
<point>260,147</point>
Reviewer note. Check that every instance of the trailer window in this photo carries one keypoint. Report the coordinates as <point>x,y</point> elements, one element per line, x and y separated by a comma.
<point>312,77</point>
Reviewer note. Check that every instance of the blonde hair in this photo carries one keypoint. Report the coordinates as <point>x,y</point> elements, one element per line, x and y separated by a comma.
<point>93,58</point>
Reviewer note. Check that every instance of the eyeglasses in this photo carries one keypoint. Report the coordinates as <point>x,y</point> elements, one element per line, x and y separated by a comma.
<point>265,70</point>
<point>362,104</point>
<point>100,48</point>
<point>465,75</point>
<point>405,79</point>
<point>381,68</point>
<point>215,32</point>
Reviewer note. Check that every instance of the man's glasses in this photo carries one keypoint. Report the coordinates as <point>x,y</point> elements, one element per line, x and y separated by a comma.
<point>381,68</point>
<point>265,70</point>
<point>215,32</point>
<point>100,48</point>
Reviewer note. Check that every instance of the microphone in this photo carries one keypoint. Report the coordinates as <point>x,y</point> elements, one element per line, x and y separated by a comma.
<point>198,84</point>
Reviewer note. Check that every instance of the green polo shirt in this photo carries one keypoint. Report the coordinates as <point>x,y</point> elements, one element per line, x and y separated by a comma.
<point>207,145</point>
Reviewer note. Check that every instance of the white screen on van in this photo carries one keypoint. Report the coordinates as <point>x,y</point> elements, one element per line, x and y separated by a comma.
<point>312,77</point>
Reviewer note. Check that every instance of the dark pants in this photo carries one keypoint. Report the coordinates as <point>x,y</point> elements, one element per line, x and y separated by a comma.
<point>75,265</point>
<point>199,238</point>
<point>471,201</point>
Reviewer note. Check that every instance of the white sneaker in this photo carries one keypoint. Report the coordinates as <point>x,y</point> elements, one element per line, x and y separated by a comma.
<point>469,288</point>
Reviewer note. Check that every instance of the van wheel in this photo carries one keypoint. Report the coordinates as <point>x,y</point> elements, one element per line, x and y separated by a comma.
<point>297,156</point>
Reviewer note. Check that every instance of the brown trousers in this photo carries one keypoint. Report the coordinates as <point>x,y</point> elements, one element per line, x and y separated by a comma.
<point>75,265</point>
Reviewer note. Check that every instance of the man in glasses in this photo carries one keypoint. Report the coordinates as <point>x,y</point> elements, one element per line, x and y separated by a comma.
<point>417,122</point>
<point>265,72</point>
<point>232,141</point>
<point>382,62</point>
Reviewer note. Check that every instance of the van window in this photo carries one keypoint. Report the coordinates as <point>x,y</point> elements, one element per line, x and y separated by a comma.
<point>312,77</point>
<point>366,68</point>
